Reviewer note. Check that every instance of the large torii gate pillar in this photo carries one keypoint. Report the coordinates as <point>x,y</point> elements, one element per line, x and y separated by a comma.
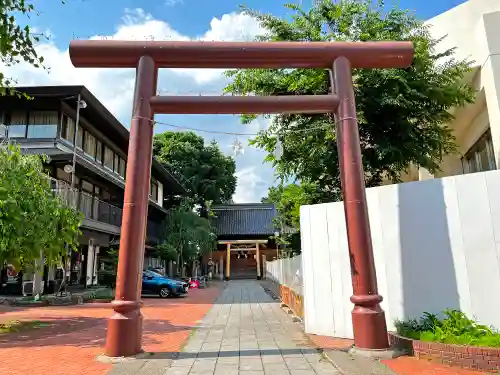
<point>124,335</point>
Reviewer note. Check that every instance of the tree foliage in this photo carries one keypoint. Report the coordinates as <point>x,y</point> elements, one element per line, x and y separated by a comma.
<point>288,199</point>
<point>33,220</point>
<point>402,113</point>
<point>187,235</point>
<point>206,172</point>
<point>17,41</point>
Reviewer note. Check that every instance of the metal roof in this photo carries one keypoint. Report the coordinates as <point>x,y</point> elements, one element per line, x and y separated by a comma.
<point>250,219</point>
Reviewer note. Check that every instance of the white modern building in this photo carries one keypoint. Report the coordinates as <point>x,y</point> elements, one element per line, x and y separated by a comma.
<point>473,28</point>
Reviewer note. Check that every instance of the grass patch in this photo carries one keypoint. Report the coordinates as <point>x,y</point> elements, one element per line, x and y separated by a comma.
<point>99,294</point>
<point>18,326</point>
<point>455,328</point>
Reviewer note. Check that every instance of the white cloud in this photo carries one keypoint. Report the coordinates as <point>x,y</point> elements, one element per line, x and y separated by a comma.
<point>171,3</point>
<point>251,186</point>
<point>114,87</point>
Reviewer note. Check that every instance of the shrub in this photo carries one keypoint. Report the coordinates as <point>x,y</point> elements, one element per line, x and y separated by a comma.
<point>455,328</point>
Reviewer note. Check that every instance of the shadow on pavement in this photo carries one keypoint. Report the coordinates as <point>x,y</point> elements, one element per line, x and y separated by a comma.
<point>231,353</point>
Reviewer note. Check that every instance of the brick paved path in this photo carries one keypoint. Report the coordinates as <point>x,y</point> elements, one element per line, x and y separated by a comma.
<point>76,334</point>
<point>245,333</point>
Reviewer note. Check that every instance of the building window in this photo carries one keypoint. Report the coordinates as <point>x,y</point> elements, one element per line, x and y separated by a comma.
<point>68,129</point>
<point>17,125</point>
<point>153,191</point>
<point>123,167</point>
<point>480,157</point>
<point>87,187</point>
<point>98,153</point>
<point>108,158</point>
<point>90,144</point>
<point>42,124</point>
<point>79,138</point>
<point>116,164</point>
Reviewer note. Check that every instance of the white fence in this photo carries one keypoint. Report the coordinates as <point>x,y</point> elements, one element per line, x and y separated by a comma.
<point>287,272</point>
<point>436,246</point>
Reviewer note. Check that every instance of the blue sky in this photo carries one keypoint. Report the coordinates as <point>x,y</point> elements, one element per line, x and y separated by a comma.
<point>173,19</point>
<point>83,18</point>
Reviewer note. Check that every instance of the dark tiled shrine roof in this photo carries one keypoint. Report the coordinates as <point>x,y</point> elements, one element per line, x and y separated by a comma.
<point>251,219</point>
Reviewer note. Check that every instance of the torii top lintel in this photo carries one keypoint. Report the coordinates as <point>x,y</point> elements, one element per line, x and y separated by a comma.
<point>228,55</point>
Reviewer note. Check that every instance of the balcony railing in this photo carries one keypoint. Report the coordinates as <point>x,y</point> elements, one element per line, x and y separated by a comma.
<point>91,207</point>
<point>97,210</point>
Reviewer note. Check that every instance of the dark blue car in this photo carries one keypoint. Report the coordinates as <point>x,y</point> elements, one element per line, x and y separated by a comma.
<point>156,283</point>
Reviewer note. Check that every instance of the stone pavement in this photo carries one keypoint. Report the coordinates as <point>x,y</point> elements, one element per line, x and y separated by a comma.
<point>245,333</point>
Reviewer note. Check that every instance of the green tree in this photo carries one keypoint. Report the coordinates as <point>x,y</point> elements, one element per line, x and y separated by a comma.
<point>33,220</point>
<point>288,199</point>
<point>17,42</point>
<point>402,113</point>
<point>187,235</point>
<point>206,172</point>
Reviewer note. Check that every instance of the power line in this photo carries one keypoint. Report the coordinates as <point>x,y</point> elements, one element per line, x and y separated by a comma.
<point>323,126</point>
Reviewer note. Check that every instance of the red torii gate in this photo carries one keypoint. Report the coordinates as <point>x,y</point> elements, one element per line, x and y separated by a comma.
<point>124,335</point>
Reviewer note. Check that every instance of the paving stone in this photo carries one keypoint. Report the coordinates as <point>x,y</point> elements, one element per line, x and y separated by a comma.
<point>247,333</point>
<point>275,367</point>
<point>297,364</point>
<point>250,364</point>
<point>229,359</point>
<point>302,372</point>
<point>177,371</point>
<point>184,362</point>
<point>201,368</point>
<point>273,358</point>
<point>227,371</point>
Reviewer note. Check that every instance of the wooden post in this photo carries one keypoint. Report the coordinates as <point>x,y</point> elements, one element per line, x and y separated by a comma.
<point>258,261</point>
<point>264,267</point>
<point>228,262</point>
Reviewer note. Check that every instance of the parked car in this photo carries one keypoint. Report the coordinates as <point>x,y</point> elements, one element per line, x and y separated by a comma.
<point>156,283</point>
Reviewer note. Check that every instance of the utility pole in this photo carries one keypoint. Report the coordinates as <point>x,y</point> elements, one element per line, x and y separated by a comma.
<point>80,104</point>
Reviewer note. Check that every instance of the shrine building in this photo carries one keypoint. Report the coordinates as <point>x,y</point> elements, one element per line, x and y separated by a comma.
<point>245,240</point>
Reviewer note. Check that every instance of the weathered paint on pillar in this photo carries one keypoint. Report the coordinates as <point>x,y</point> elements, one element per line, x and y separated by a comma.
<point>228,262</point>
<point>258,260</point>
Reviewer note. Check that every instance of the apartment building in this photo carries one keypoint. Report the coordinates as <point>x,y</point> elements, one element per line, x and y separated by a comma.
<point>97,144</point>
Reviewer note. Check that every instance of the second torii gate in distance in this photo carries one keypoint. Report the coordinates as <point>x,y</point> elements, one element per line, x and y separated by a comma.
<point>124,335</point>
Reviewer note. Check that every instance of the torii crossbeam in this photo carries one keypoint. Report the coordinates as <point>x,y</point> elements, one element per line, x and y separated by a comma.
<point>124,336</point>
